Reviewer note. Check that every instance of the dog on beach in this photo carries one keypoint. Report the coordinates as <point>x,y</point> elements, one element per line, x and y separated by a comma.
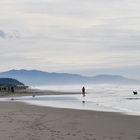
<point>135,92</point>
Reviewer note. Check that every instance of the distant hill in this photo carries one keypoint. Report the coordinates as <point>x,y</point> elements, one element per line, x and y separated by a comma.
<point>10,82</point>
<point>36,77</point>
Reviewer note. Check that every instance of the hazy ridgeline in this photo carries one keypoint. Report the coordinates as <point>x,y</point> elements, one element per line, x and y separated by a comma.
<point>37,78</point>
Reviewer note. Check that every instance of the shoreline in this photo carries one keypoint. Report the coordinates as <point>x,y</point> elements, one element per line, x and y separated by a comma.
<point>36,92</point>
<point>23,121</point>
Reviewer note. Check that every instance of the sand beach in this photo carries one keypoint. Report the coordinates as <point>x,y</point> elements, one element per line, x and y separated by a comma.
<point>20,121</point>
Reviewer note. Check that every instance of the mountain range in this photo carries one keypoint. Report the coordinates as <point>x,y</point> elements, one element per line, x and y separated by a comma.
<point>36,77</point>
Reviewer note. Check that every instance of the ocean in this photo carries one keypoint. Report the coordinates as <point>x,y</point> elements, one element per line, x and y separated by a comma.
<point>107,98</point>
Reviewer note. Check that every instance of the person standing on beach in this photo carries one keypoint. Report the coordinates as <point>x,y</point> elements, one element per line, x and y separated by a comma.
<point>83,91</point>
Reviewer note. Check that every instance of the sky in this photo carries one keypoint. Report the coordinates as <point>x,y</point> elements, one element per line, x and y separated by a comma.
<point>87,37</point>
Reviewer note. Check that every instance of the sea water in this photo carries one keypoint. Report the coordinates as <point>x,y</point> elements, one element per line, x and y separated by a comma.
<point>106,98</point>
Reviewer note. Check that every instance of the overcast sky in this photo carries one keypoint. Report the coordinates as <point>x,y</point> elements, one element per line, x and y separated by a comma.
<point>77,36</point>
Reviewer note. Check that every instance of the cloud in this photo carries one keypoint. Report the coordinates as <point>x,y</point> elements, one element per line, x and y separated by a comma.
<point>76,35</point>
<point>2,34</point>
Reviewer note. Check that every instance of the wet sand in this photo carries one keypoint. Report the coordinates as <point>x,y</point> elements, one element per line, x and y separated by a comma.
<point>19,121</point>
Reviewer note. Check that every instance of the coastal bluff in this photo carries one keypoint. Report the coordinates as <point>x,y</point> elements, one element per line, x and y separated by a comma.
<point>10,85</point>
